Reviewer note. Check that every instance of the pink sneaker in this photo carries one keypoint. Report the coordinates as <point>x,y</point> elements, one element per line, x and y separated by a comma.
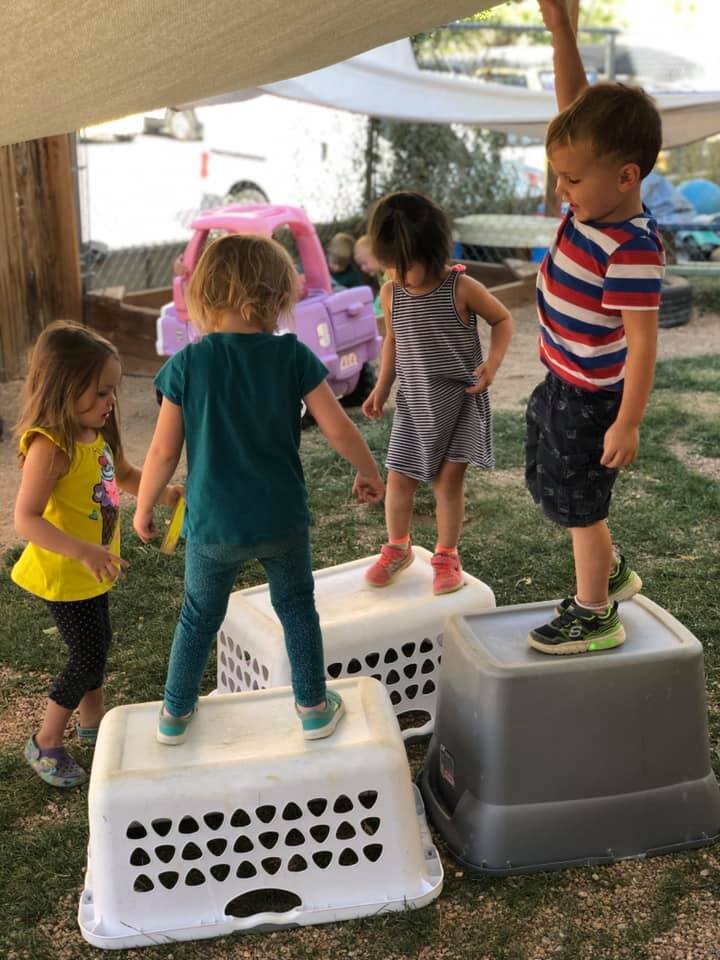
<point>392,561</point>
<point>447,573</point>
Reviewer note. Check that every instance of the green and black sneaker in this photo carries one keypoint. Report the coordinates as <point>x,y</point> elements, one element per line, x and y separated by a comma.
<point>577,630</point>
<point>623,584</point>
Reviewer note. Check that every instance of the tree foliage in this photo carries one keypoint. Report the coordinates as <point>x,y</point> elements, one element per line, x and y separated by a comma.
<point>459,167</point>
<point>593,13</point>
<point>516,13</point>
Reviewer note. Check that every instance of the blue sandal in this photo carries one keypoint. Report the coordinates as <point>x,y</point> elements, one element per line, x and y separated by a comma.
<point>317,724</point>
<point>54,765</point>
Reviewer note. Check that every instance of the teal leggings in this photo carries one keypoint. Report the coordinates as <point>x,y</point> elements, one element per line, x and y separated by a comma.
<point>210,574</point>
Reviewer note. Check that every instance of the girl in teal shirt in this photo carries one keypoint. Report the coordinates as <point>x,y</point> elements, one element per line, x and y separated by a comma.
<point>234,399</point>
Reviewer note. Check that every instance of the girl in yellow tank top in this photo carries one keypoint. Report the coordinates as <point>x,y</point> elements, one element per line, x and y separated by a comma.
<point>67,507</point>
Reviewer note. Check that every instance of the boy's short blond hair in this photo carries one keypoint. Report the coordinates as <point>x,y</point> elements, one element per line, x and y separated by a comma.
<point>363,243</point>
<point>249,275</point>
<point>342,244</point>
<point>620,121</point>
<point>340,251</point>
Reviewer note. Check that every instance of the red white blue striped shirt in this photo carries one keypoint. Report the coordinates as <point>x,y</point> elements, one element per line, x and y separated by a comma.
<point>591,273</point>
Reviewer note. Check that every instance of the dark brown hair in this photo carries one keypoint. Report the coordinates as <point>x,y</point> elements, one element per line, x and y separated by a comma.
<point>407,228</point>
<point>620,121</point>
<point>250,275</point>
<point>66,359</point>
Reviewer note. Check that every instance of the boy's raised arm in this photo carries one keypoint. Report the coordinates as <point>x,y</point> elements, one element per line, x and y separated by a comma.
<point>570,79</point>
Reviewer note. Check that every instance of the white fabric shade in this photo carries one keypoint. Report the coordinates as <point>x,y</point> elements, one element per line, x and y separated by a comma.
<point>386,82</point>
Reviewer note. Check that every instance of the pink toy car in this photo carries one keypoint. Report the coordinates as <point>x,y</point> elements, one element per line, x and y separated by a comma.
<point>339,327</point>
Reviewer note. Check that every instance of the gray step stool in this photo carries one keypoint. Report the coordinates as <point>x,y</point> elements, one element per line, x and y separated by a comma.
<point>541,762</point>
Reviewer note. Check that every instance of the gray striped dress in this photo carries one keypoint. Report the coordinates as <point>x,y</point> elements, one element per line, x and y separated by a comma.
<point>436,353</point>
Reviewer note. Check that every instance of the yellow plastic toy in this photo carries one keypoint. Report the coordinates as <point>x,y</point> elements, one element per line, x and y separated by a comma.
<point>173,531</point>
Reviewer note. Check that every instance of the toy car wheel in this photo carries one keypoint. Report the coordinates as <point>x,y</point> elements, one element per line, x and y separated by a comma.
<point>363,388</point>
<point>676,302</point>
<point>690,247</point>
<point>246,193</point>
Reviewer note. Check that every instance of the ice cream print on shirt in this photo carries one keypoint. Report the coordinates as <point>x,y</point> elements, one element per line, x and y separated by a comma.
<point>106,494</point>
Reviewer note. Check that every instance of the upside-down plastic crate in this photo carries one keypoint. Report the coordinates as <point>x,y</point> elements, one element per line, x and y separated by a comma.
<point>393,634</point>
<point>247,825</point>
<point>541,762</point>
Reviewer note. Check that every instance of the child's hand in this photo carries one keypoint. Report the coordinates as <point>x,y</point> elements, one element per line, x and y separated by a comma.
<point>171,494</point>
<point>621,445</point>
<point>373,406</point>
<point>368,489</point>
<point>554,13</point>
<point>101,562</point>
<point>485,375</point>
<point>144,525</point>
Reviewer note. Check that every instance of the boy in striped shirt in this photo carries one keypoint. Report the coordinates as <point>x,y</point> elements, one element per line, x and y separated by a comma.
<point>598,295</point>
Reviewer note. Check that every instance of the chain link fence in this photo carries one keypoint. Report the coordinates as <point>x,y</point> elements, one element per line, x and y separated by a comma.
<point>490,238</point>
<point>149,266</point>
<point>132,268</point>
<point>487,238</point>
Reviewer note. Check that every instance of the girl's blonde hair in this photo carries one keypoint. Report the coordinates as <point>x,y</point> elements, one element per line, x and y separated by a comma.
<point>66,359</point>
<point>249,275</point>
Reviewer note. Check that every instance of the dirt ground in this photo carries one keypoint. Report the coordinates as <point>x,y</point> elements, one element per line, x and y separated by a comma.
<point>519,373</point>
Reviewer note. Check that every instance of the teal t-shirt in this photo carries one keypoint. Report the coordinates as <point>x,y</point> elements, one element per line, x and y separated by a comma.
<point>240,395</point>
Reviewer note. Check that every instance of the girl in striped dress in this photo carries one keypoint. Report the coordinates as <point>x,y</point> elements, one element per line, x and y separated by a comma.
<point>442,418</point>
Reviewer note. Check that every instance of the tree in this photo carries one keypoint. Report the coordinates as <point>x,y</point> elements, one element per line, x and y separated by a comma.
<point>459,167</point>
<point>593,13</point>
<point>516,13</point>
<point>462,168</point>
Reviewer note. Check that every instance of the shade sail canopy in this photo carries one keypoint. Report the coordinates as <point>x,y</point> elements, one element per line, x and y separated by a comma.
<point>387,83</point>
<point>71,63</point>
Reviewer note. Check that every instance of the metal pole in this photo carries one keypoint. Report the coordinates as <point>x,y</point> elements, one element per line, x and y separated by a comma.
<point>372,128</point>
<point>610,57</point>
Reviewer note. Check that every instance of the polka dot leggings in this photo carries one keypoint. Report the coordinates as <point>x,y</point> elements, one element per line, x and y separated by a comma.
<point>84,625</point>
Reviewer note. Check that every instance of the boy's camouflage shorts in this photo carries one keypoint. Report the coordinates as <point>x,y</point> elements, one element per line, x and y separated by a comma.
<point>565,432</point>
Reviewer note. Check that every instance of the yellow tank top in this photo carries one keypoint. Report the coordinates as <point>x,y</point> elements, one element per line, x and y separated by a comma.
<point>84,504</point>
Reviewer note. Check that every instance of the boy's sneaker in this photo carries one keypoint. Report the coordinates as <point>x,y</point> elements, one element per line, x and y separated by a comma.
<point>447,573</point>
<point>87,736</point>
<point>317,724</point>
<point>577,630</point>
<point>54,765</point>
<point>623,584</point>
<point>173,730</point>
<point>392,561</point>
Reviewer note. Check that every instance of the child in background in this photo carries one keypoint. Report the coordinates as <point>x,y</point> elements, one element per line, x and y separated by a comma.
<point>340,261</point>
<point>598,297</point>
<point>234,398</point>
<point>442,417</point>
<point>365,259</point>
<point>67,507</point>
<point>375,274</point>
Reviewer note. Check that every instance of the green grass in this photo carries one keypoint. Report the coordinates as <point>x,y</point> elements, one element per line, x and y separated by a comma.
<point>665,517</point>
<point>706,294</point>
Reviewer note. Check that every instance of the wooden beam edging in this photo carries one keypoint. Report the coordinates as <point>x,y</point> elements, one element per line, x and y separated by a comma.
<point>520,293</point>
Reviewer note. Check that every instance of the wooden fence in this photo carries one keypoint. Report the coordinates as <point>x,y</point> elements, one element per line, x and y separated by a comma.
<point>39,249</point>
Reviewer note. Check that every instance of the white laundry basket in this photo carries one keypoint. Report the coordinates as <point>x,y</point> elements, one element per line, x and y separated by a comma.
<point>393,634</point>
<point>247,825</point>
